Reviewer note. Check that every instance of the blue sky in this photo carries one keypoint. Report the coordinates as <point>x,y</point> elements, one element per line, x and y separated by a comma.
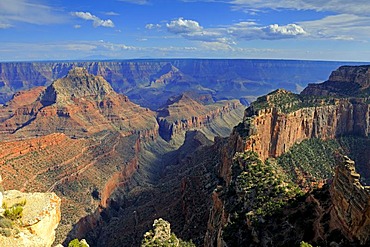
<point>126,29</point>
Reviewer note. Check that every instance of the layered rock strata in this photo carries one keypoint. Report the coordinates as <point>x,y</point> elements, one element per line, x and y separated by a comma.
<point>343,82</point>
<point>351,203</point>
<point>272,130</point>
<point>183,113</point>
<point>135,78</point>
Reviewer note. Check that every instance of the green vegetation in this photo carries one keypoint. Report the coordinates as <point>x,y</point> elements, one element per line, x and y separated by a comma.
<point>246,127</point>
<point>6,226</point>
<point>76,243</point>
<point>304,244</point>
<point>5,223</point>
<point>312,159</point>
<point>259,190</point>
<point>286,101</point>
<point>262,185</point>
<point>14,212</point>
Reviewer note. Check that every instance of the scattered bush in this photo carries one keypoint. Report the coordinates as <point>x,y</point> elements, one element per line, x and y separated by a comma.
<point>5,223</point>
<point>14,213</point>
<point>76,243</point>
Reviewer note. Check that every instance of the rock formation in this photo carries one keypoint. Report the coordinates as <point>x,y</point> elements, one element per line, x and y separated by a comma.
<point>78,105</point>
<point>150,82</point>
<point>271,126</point>
<point>161,236</point>
<point>351,203</point>
<point>274,128</point>
<point>40,217</point>
<point>183,113</point>
<point>347,81</point>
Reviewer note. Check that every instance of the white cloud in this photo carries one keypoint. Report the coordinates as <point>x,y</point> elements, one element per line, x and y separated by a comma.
<point>97,22</point>
<point>183,26</point>
<point>339,27</point>
<point>77,26</point>
<point>152,26</point>
<point>252,31</point>
<point>111,13</point>
<point>192,30</point>
<point>140,2</point>
<point>280,32</point>
<point>360,7</point>
<point>5,26</point>
<point>27,11</point>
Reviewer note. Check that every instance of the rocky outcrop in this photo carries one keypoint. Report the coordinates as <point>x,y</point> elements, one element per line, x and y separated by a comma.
<point>183,113</point>
<point>271,126</point>
<point>161,236</point>
<point>41,216</point>
<point>351,203</point>
<point>78,105</point>
<point>343,82</point>
<point>273,130</point>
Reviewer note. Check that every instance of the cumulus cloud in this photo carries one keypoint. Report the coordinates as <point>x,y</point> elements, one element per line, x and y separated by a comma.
<point>152,26</point>
<point>192,30</point>
<point>251,31</point>
<point>97,22</point>
<point>180,26</point>
<point>288,31</point>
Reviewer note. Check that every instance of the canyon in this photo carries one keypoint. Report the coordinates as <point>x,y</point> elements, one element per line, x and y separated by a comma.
<point>150,82</point>
<point>118,166</point>
<point>82,140</point>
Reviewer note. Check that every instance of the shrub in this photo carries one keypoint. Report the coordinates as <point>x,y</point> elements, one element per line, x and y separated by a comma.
<point>13,213</point>
<point>76,243</point>
<point>5,223</point>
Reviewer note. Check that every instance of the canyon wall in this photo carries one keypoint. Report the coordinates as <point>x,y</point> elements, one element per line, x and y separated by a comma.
<point>272,132</point>
<point>351,203</point>
<point>199,117</point>
<point>225,78</point>
<point>343,82</point>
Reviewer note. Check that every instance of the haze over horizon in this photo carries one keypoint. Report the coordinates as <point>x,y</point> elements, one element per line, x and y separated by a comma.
<point>128,29</point>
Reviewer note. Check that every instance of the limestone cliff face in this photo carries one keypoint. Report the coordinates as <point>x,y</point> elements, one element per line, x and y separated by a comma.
<point>351,203</point>
<point>274,131</point>
<point>41,216</point>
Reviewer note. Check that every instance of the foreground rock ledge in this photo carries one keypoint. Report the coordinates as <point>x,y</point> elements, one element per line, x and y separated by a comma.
<point>41,216</point>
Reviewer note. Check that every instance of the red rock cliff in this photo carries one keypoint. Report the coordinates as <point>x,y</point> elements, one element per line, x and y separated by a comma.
<point>273,131</point>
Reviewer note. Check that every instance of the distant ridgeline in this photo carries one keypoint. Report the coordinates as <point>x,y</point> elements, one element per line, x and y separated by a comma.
<point>151,82</point>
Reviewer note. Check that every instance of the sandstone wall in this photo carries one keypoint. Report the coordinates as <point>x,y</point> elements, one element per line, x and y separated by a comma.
<point>351,203</point>
<point>275,132</point>
<point>170,128</point>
